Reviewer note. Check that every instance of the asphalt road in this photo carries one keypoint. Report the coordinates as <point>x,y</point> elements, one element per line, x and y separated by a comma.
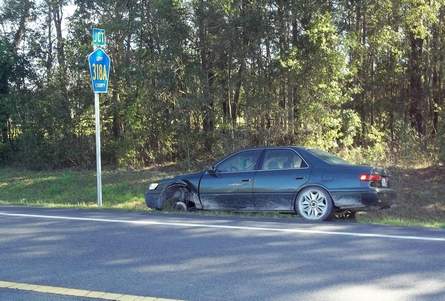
<point>218,258</point>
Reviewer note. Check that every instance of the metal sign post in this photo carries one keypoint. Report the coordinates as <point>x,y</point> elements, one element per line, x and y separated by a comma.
<point>99,63</point>
<point>98,157</point>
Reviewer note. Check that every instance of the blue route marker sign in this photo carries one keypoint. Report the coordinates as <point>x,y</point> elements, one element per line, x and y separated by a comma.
<point>99,63</point>
<point>98,37</point>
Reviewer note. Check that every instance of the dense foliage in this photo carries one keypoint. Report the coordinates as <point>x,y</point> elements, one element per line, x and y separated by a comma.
<point>192,79</point>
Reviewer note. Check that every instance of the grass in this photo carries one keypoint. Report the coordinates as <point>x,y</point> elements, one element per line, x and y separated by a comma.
<point>387,219</point>
<point>420,199</point>
<point>421,193</point>
<point>70,188</point>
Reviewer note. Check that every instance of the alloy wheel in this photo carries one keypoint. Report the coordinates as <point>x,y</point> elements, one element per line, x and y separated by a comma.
<point>313,204</point>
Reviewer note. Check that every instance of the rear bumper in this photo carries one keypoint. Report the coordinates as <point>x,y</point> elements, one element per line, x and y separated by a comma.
<point>380,197</point>
<point>372,198</point>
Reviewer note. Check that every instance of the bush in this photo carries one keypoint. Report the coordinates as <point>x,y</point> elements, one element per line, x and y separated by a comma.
<point>5,153</point>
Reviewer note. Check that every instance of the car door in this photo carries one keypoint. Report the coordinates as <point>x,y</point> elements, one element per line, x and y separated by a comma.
<point>281,174</point>
<point>230,186</point>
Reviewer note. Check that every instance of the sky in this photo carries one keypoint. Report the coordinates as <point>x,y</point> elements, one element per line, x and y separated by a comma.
<point>68,11</point>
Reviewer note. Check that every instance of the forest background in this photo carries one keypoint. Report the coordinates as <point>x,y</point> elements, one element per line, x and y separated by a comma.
<point>192,80</point>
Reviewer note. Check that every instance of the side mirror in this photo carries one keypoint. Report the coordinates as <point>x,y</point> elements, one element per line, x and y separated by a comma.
<point>211,170</point>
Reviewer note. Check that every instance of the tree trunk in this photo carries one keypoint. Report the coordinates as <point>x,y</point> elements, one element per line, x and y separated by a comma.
<point>57,11</point>
<point>22,24</point>
<point>438,60</point>
<point>236,97</point>
<point>49,56</point>
<point>415,84</point>
<point>207,76</point>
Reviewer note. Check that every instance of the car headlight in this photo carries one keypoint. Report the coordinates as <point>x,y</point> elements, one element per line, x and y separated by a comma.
<point>153,186</point>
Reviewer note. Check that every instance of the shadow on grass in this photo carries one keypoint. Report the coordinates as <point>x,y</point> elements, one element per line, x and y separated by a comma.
<point>68,187</point>
<point>421,192</point>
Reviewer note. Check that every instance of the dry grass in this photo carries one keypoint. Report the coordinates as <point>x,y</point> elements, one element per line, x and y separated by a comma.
<point>421,198</point>
<point>421,192</point>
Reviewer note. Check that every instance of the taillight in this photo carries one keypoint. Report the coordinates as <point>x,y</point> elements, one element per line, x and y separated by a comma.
<point>370,178</point>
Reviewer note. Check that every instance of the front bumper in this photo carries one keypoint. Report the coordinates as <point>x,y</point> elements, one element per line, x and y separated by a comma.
<point>372,198</point>
<point>152,199</point>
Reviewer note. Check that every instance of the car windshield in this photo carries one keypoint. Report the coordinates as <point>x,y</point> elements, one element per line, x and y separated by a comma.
<point>328,158</point>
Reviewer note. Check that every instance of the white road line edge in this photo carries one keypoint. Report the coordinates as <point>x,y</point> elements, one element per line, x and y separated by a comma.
<point>181,224</point>
<point>84,294</point>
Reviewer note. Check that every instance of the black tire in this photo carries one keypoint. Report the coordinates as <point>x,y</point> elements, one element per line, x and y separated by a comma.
<point>176,199</point>
<point>314,204</point>
<point>345,214</point>
<point>180,206</point>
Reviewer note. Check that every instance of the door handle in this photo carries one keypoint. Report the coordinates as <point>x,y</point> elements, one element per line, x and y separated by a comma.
<point>246,180</point>
<point>299,178</point>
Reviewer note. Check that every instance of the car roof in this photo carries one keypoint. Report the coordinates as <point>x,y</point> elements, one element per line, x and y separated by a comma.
<point>270,147</point>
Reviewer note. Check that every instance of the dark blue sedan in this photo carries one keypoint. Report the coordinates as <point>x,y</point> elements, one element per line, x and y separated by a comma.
<point>310,182</point>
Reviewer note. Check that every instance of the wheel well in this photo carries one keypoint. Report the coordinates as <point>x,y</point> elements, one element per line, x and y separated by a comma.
<point>170,191</point>
<point>309,186</point>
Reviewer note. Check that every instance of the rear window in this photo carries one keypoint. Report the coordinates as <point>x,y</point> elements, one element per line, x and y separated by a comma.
<point>328,158</point>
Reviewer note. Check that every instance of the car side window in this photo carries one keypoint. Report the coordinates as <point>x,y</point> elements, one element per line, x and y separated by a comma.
<point>282,159</point>
<point>244,161</point>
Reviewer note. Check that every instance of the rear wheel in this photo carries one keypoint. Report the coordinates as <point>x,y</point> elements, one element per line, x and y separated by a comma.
<point>314,204</point>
